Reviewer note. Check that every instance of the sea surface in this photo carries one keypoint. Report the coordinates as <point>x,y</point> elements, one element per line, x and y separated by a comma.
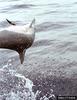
<point>51,63</point>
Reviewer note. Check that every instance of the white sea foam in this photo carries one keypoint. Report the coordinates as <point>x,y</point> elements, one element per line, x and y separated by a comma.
<point>14,86</point>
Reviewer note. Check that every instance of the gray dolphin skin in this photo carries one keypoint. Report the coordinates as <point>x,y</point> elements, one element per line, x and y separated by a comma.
<point>18,38</point>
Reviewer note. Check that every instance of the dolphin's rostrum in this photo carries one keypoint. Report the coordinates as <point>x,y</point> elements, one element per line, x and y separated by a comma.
<point>18,38</point>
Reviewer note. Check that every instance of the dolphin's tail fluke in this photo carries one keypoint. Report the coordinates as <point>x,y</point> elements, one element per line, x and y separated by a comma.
<point>22,55</point>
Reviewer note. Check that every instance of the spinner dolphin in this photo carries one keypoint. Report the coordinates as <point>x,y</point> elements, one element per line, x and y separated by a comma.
<point>18,38</point>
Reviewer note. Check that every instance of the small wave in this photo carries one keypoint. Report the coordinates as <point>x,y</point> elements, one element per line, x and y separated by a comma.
<point>75,3</point>
<point>51,5</point>
<point>47,26</point>
<point>22,6</point>
<point>44,42</point>
<point>51,12</point>
<point>13,7</point>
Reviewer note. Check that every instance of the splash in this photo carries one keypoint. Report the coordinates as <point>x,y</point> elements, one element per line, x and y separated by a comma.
<point>15,86</point>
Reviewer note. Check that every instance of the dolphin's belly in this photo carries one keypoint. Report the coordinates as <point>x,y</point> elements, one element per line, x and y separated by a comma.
<point>14,41</point>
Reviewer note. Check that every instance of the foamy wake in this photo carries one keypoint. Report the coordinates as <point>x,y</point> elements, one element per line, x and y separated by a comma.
<point>14,86</point>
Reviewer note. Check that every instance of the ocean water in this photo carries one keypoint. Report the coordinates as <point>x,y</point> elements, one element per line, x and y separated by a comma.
<point>56,21</point>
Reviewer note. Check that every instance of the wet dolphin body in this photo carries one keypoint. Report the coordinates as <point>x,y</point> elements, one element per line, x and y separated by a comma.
<point>18,38</point>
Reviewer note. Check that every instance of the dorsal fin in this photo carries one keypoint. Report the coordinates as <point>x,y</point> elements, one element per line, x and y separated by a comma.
<point>10,22</point>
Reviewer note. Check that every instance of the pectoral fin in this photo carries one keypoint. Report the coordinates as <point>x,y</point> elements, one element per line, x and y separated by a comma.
<point>10,22</point>
<point>32,23</point>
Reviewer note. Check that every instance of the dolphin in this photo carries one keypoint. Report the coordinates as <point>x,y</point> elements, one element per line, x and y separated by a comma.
<point>18,37</point>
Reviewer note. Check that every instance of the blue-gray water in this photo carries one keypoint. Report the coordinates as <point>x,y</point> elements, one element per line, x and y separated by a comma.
<point>54,52</point>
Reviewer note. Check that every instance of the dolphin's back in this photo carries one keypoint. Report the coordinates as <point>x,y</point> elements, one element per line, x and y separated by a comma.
<point>14,41</point>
